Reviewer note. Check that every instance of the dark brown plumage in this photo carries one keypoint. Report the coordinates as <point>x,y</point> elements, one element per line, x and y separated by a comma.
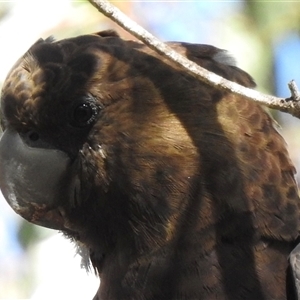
<point>177,190</point>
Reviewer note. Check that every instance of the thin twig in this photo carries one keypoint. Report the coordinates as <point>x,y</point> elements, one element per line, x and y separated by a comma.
<point>289,105</point>
<point>294,91</point>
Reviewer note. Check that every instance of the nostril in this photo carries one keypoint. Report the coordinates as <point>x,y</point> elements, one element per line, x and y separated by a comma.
<point>35,139</point>
<point>33,136</point>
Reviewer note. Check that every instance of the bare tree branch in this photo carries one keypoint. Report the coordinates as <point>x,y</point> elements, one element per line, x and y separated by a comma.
<point>290,105</point>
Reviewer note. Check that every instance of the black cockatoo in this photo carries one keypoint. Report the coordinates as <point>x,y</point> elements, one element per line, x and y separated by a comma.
<point>178,190</point>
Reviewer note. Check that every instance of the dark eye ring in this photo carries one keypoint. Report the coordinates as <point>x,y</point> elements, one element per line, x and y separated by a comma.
<point>84,113</point>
